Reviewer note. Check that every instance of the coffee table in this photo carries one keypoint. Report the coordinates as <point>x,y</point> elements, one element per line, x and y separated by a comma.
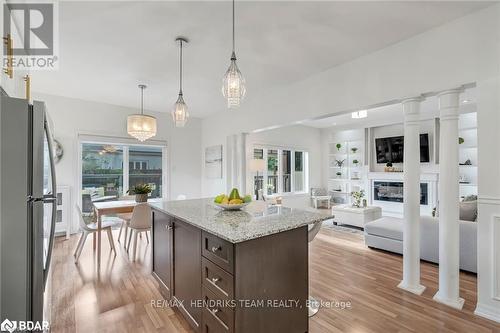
<point>347,214</point>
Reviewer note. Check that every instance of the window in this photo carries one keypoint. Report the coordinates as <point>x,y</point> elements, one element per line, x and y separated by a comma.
<point>104,177</point>
<point>147,162</point>
<point>272,171</point>
<point>258,154</point>
<point>285,171</point>
<point>299,175</point>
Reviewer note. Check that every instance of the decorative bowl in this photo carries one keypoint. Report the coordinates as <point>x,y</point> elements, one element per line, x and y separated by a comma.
<point>231,207</point>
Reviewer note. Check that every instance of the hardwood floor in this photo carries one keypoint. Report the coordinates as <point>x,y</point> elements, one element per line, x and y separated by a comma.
<point>341,269</point>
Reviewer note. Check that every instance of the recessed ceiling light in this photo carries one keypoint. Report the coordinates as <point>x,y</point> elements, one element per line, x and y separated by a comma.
<point>359,114</point>
<point>465,101</point>
<point>334,124</point>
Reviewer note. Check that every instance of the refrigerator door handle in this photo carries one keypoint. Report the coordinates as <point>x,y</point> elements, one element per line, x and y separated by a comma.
<point>49,198</point>
<point>52,199</point>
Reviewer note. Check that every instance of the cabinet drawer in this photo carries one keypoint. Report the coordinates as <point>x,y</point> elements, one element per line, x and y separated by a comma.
<point>218,251</point>
<point>217,315</point>
<point>216,279</point>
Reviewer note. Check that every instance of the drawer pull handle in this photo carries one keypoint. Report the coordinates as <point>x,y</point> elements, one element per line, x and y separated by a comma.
<point>215,280</point>
<point>214,313</point>
<point>215,249</point>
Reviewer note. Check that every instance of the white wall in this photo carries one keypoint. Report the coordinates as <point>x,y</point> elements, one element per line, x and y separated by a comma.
<point>463,51</point>
<point>298,136</point>
<point>73,116</point>
<point>441,58</point>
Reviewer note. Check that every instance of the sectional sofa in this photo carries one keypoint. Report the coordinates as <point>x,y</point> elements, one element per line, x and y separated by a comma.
<point>386,233</point>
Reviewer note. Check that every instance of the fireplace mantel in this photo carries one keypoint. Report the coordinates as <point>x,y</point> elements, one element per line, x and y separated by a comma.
<point>396,208</point>
<point>426,177</point>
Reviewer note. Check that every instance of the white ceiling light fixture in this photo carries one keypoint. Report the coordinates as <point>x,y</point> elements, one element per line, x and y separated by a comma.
<point>233,87</point>
<point>141,126</point>
<point>359,114</point>
<point>180,113</point>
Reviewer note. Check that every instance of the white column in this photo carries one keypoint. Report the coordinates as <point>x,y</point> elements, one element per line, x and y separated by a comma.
<point>236,162</point>
<point>411,192</point>
<point>449,235</point>
<point>488,219</point>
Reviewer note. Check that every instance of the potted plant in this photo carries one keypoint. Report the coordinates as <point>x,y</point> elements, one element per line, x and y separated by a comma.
<point>357,196</point>
<point>338,145</point>
<point>340,163</point>
<point>270,189</point>
<point>339,174</point>
<point>141,192</point>
<point>355,162</point>
<point>388,167</point>
<point>354,150</point>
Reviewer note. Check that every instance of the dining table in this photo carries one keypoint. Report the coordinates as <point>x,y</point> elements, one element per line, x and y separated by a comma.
<point>104,208</point>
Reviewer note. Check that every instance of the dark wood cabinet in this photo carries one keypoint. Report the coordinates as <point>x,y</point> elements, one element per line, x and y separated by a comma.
<point>212,279</point>
<point>162,232</point>
<point>187,272</point>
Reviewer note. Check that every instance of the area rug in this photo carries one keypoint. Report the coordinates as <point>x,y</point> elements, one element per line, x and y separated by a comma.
<point>328,224</point>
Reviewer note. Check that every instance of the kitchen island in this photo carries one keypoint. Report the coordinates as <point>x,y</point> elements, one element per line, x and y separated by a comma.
<point>233,271</point>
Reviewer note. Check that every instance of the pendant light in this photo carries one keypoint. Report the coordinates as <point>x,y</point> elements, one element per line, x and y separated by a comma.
<point>233,87</point>
<point>140,126</point>
<point>180,113</point>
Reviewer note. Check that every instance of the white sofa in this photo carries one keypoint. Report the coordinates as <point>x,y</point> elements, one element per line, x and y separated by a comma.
<point>386,233</point>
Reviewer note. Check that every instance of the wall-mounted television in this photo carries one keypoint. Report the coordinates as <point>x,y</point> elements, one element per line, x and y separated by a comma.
<point>392,149</point>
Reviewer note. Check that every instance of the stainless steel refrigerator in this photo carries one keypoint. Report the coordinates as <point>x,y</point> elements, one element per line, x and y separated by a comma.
<point>28,207</point>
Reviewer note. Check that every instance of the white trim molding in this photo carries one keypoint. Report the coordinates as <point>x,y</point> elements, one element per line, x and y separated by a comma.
<point>488,312</point>
<point>487,200</point>
<point>496,258</point>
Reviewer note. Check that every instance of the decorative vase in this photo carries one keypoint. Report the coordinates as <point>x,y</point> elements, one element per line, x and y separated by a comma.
<point>365,203</point>
<point>141,197</point>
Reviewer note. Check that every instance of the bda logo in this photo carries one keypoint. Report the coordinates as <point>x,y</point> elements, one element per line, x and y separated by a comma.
<point>8,325</point>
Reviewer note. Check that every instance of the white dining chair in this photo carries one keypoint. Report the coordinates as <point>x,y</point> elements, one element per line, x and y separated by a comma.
<point>139,223</point>
<point>124,219</point>
<point>90,228</point>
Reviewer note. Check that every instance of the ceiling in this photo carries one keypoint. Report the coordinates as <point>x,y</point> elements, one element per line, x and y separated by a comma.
<point>391,114</point>
<point>107,48</point>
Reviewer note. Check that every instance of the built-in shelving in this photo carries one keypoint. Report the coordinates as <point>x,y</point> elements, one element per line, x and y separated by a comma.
<point>467,124</point>
<point>349,177</point>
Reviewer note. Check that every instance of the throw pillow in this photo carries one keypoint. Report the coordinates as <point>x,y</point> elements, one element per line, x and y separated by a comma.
<point>470,198</point>
<point>468,210</point>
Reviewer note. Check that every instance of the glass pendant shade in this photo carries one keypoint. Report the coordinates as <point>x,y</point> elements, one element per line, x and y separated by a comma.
<point>180,113</point>
<point>233,87</point>
<point>141,127</point>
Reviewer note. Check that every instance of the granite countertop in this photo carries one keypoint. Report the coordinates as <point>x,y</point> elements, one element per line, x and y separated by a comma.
<point>253,221</point>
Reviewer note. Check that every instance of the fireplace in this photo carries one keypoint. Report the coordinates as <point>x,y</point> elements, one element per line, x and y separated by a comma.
<point>393,192</point>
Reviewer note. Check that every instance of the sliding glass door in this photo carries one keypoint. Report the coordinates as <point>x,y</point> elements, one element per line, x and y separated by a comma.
<point>102,173</point>
<point>145,167</point>
<point>108,171</point>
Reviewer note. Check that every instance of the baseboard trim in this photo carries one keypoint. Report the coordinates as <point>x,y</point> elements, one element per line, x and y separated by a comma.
<point>488,312</point>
